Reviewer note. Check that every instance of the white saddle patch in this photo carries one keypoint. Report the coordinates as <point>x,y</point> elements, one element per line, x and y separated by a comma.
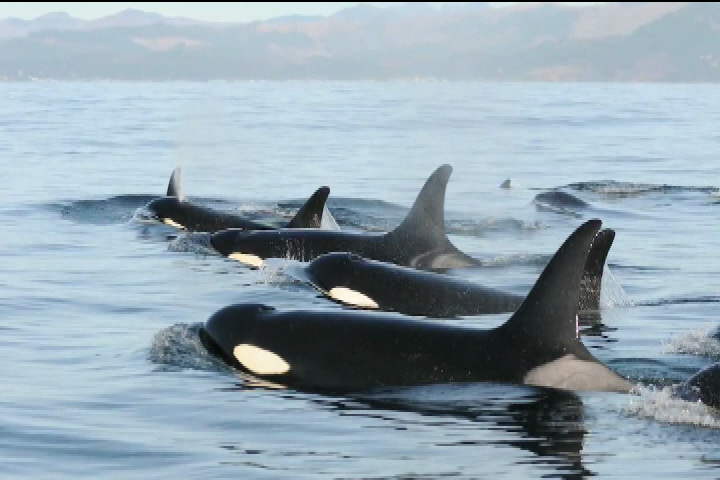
<point>260,361</point>
<point>247,259</point>
<point>352,297</point>
<point>570,373</point>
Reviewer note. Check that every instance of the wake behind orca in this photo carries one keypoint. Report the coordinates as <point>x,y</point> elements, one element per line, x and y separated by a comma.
<point>343,351</point>
<point>420,241</point>
<point>175,210</point>
<point>353,280</point>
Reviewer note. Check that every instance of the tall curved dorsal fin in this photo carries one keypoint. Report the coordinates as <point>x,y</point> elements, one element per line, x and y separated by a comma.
<point>548,313</point>
<point>591,282</point>
<point>311,213</point>
<point>427,215</point>
<point>174,188</point>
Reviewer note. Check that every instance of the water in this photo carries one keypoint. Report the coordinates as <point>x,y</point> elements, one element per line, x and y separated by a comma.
<point>103,372</point>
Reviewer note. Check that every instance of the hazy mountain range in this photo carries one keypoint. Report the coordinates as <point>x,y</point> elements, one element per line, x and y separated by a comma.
<point>632,41</point>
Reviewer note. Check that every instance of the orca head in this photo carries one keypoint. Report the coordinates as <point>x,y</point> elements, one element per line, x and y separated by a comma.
<point>227,322</point>
<point>237,244</point>
<point>228,335</point>
<point>704,386</point>
<point>165,210</point>
<point>224,241</point>
<point>333,269</point>
<point>335,273</point>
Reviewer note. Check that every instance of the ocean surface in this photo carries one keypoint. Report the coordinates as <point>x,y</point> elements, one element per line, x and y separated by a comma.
<point>103,374</point>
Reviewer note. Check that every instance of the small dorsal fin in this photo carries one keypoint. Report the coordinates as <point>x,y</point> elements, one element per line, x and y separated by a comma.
<point>174,188</point>
<point>427,215</point>
<point>548,315</point>
<point>591,283</point>
<point>310,215</point>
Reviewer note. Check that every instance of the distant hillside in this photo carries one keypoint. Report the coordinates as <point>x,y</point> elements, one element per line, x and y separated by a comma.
<point>630,41</point>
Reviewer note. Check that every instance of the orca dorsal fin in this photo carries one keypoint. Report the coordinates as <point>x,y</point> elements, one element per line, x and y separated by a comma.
<point>548,315</point>
<point>174,188</point>
<point>427,215</point>
<point>310,214</point>
<point>591,282</point>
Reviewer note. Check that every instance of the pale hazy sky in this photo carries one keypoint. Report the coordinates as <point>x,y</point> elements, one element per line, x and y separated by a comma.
<point>209,11</point>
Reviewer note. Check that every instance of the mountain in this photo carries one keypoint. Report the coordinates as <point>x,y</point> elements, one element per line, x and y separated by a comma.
<point>621,42</point>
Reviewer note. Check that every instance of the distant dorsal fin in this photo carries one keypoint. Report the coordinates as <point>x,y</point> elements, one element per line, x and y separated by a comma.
<point>310,215</point>
<point>591,283</point>
<point>548,313</point>
<point>174,188</point>
<point>427,215</point>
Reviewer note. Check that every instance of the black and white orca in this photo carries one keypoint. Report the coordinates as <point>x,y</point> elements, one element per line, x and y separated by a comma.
<point>419,242</point>
<point>356,350</point>
<point>352,280</point>
<point>175,210</point>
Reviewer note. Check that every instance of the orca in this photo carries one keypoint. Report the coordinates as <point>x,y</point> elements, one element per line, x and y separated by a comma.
<point>420,241</point>
<point>704,387</point>
<point>341,351</point>
<point>175,210</point>
<point>560,199</point>
<point>360,282</point>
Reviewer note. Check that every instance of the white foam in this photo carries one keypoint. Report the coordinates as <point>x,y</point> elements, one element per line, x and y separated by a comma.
<point>663,406</point>
<point>695,342</point>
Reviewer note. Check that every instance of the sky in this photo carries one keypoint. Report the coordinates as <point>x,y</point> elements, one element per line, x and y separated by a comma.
<point>207,11</point>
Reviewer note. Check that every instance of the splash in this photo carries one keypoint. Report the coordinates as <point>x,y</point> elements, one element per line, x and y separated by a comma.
<point>179,347</point>
<point>662,404</point>
<point>193,243</point>
<point>280,271</point>
<point>701,342</point>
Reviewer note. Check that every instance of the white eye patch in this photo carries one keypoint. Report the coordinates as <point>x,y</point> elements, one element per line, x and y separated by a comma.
<point>351,297</point>
<point>247,259</point>
<point>260,361</point>
<point>172,223</point>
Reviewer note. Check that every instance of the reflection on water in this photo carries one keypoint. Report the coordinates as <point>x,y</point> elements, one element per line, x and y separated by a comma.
<point>546,422</point>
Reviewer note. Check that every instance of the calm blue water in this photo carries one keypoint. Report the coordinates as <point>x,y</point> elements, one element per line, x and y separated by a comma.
<point>104,377</point>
